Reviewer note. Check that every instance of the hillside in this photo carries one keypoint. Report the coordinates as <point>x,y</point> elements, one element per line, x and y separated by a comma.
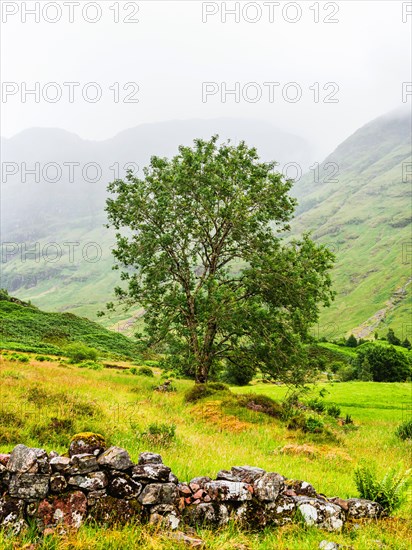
<point>27,328</point>
<point>364,218</point>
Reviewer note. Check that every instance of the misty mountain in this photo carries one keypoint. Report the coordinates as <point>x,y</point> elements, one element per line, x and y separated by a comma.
<point>355,202</point>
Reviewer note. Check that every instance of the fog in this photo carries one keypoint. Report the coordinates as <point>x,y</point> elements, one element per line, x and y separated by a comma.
<point>318,70</point>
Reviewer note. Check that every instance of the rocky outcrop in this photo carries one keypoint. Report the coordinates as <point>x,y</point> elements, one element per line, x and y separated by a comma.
<point>104,485</point>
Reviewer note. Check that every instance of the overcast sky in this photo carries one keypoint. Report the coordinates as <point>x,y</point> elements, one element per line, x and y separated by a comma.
<point>285,63</point>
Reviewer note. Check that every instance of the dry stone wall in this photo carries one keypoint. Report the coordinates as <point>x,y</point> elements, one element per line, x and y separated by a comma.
<point>104,485</point>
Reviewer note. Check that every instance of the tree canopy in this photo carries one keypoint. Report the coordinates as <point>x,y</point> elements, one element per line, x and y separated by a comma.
<point>202,238</point>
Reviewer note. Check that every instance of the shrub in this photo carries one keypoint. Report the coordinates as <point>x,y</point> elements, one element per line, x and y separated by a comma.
<point>317,405</point>
<point>238,375</point>
<point>313,425</point>
<point>159,434</point>
<point>333,410</point>
<point>404,431</point>
<point>390,492</point>
<point>145,371</point>
<point>347,373</point>
<point>261,403</point>
<point>78,352</point>
<point>200,391</point>
<point>93,365</point>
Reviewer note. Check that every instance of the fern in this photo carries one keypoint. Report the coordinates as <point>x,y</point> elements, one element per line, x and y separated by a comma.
<point>390,492</point>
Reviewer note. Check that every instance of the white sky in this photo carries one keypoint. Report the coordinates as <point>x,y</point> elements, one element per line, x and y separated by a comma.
<point>170,52</point>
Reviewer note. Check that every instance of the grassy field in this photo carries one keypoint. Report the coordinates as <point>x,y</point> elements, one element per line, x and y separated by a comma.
<point>44,403</point>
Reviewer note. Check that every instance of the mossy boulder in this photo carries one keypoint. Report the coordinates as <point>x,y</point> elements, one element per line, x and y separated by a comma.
<point>87,443</point>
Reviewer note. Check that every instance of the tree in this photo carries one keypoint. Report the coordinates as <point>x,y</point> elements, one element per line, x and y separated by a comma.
<point>406,344</point>
<point>385,364</point>
<point>205,258</point>
<point>392,339</point>
<point>351,342</point>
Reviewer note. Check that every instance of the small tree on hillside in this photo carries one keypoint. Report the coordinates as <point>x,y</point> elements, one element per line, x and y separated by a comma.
<point>406,344</point>
<point>392,338</point>
<point>206,260</point>
<point>351,342</point>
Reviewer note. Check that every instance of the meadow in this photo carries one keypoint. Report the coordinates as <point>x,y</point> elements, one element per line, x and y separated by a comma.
<point>45,401</point>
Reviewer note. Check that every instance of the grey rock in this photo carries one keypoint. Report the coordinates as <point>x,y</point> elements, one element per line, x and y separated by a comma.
<point>60,464</point>
<point>321,513</point>
<point>53,454</point>
<point>90,482</point>
<point>159,493</point>
<point>200,480</point>
<point>228,490</point>
<point>149,458</point>
<point>58,483</point>
<point>327,545</point>
<point>269,486</point>
<point>87,443</point>
<point>83,464</point>
<point>29,486</point>
<point>124,487</point>
<point>247,474</point>
<point>27,460</point>
<point>207,514</point>
<point>151,472</point>
<point>115,458</point>
<point>359,508</point>
<point>173,478</point>
<point>226,475</point>
<point>11,514</point>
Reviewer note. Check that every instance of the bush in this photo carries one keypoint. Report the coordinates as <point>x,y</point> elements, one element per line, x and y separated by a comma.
<point>404,431</point>
<point>351,342</point>
<point>159,434</point>
<point>145,371</point>
<point>333,410</point>
<point>200,391</point>
<point>93,365</point>
<point>347,373</point>
<point>236,375</point>
<point>390,492</point>
<point>313,425</point>
<point>78,352</point>
<point>261,403</point>
<point>385,364</point>
<point>317,405</point>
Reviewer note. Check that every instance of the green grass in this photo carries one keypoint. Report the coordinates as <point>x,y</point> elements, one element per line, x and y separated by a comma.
<point>44,403</point>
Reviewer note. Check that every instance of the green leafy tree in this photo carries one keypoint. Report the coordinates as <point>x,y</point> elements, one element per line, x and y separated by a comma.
<point>384,364</point>
<point>351,342</point>
<point>201,238</point>
<point>392,338</point>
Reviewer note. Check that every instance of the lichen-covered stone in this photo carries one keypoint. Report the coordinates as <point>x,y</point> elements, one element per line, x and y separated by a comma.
<point>228,490</point>
<point>87,442</point>
<point>110,511</point>
<point>90,482</point>
<point>115,458</point>
<point>301,488</point>
<point>268,486</point>
<point>60,464</point>
<point>124,487</point>
<point>58,483</point>
<point>68,510</point>
<point>151,472</point>
<point>207,514</point>
<point>28,460</point>
<point>359,508</point>
<point>4,459</point>
<point>321,513</point>
<point>149,458</point>
<point>159,493</point>
<point>247,474</point>
<point>83,464</point>
<point>11,514</point>
<point>29,486</point>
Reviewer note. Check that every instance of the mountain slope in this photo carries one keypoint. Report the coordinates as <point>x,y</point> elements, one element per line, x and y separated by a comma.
<point>364,218</point>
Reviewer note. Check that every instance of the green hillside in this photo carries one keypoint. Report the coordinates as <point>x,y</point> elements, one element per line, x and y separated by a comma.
<point>27,328</point>
<point>364,218</point>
